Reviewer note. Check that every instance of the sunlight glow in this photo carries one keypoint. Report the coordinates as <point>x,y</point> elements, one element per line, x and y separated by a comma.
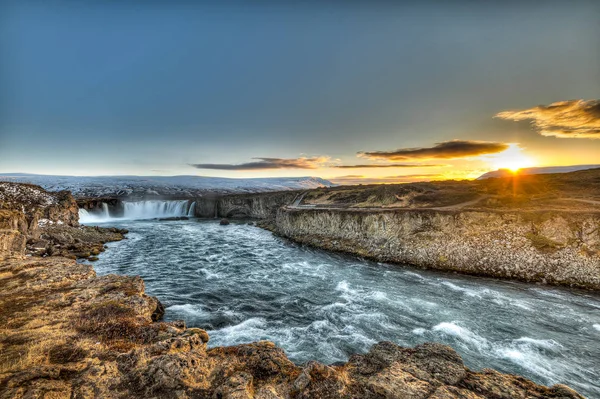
<point>513,159</point>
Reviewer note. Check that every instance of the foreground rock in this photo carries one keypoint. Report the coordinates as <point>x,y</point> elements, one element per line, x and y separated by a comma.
<point>67,333</point>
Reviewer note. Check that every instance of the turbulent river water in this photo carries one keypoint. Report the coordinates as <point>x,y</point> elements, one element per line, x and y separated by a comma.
<point>243,284</point>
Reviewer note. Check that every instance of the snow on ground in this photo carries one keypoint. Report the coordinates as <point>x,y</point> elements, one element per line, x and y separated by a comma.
<point>26,195</point>
<point>97,186</point>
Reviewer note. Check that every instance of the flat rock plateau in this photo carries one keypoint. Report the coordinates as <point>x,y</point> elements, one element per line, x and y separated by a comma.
<point>67,333</point>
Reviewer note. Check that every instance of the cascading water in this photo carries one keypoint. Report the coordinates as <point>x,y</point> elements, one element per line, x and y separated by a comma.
<point>86,216</point>
<point>141,210</point>
<point>155,209</point>
<point>192,210</point>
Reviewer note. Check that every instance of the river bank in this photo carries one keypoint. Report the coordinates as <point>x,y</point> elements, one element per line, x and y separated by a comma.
<point>558,248</point>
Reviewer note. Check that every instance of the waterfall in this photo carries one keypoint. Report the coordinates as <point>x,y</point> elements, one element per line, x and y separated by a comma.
<point>105,212</point>
<point>86,216</point>
<point>140,210</point>
<point>192,211</point>
<point>155,209</point>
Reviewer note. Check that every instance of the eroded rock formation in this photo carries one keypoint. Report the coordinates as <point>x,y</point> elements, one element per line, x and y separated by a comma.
<point>561,248</point>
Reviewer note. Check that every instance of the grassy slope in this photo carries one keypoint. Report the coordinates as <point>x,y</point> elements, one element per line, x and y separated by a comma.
<point>562,191</point>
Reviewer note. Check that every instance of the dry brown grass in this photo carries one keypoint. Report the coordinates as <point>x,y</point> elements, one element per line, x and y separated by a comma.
<point>32,347</point>
<point>115,325</point>
<point>531,192</point>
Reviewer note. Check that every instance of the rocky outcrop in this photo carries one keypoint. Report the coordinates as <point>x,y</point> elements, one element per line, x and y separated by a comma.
<point>73,242</point>
<point>67,333</point>
<point>38,206</point>
<point>42,223</point>
<point>561,248</point>
<point>26,209</point>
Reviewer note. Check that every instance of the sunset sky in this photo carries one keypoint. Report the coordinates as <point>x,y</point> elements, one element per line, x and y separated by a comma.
<point>373,91</point>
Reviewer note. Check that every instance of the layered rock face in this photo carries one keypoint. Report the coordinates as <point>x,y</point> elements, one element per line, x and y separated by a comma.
<point>561,248</point>
<point>67,333</point>
<point>256,206</point>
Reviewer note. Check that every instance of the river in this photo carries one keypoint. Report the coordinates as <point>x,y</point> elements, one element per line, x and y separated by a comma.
<point>243,284</point>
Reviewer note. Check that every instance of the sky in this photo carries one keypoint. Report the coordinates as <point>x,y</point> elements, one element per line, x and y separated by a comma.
<point>354,91</point>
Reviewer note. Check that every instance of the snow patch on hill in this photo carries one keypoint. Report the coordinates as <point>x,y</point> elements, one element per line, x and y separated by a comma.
<point>25,195</point>
<point>183,186</point>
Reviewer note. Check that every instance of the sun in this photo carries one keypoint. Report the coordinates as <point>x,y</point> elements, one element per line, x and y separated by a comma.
<point>512,159</point>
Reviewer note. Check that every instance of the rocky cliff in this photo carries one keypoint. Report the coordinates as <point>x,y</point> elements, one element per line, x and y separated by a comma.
<point>257,206</point>
<point>26,209</point>
<point>561,248</point>
<point>43,223</point>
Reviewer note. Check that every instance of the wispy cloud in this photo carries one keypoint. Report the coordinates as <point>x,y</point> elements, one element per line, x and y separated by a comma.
<point>445,150</point>
<point>566,119</point>
<point>387,165</point>
<point>268,163</point>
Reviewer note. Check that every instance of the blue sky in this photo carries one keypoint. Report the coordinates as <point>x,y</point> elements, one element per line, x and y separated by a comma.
<point>151,88</point>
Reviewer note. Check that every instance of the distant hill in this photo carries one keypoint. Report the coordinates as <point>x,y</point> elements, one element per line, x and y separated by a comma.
<point>572,191</point>
<point>172,186</point>
<point>537,171</point>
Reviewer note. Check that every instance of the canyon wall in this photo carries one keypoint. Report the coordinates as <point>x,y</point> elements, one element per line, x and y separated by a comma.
<point>256,206</point>
<point>547,247</point>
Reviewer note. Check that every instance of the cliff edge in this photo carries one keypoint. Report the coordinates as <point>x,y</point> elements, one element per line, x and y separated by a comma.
<point>533,228</point>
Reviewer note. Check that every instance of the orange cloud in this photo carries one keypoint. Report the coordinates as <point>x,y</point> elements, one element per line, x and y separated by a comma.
<point>387,165</point>
<point>359,179</point>
<point>565,119</point>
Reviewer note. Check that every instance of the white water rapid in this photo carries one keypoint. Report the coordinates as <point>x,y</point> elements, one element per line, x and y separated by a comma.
<point>140,210</point>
